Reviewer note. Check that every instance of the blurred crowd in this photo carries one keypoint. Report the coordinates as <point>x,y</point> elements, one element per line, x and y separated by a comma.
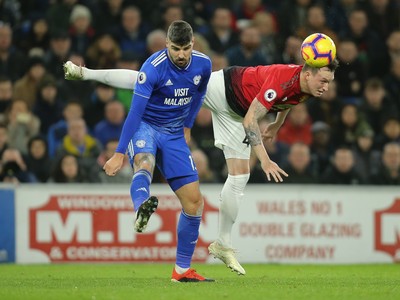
<point>53,130</point>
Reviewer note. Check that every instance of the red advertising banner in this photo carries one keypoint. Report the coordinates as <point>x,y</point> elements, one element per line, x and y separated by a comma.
<point>99,228</point>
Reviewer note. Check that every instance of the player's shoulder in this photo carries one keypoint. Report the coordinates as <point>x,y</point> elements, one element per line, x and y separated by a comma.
<point>201,61</point>
<point>286,67</point>
<point>200,56</point>
<point>156,59</point>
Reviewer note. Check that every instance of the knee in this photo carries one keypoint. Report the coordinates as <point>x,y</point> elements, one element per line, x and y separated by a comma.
<point>194,206</point>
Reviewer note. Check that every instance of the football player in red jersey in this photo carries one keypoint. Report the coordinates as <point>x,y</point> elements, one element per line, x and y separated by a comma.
<point>238,97</point>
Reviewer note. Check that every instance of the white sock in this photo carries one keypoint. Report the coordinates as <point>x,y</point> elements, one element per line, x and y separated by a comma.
<point>118,78</point>
<point>231,197</point>
<point>180,270</point>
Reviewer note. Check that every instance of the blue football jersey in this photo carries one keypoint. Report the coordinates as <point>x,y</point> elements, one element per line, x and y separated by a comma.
<point>165,96</point>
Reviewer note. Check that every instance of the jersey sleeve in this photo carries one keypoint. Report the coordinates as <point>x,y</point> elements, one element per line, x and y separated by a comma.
<point>198,98</point>
<point>271,90</point>
<point>146,81</point>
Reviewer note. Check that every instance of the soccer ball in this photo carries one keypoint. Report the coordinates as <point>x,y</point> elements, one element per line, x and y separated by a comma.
<point>318,50</point>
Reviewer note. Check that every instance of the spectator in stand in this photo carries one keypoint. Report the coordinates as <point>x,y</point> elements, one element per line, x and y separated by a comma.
<point>392,83</point>
<point>316,22</point>
<point>108,15</point>
<point>38,160</point>
<point>22,125</point>
<point>393,45</point>
<point>246,10</point>
<point>297,127</point>
<point>79,143</point>
<point>219,61</point>
<point>12,60</point>
<point>111,126</point>
<point>291,53</point>
<point>131,32</point>
<point>342,169</point>
<point>103,53</point>
<point>3,139</point>
<point>201,44</point>
<point>57,131</point>
<point>248,52</point>
<point>37,35</point>
<point>49,105</point>
<point>292,16</point>
<point>389,173</point>
<point>371,50</point>
<point>350,122</point>
<point>299,165</point>
<point>170,13</point>
<point>68,170</point>
<point>338,13</point>
<point>221,35</point>
<point>206,174</point>
<point>58,53</point>
<point>26,88</point>
<point>270,40</point>
<point>366,158</point>
<point>376,104</point>
<point>327,108</point>
<point>6,96</point>
<point>13,168</point>
<point>80,29</point>
<point>58,14</point>
<point>390,132</point>
<point>351,74</point>
<point>155,41</point>
<point>383,16</point>
<point>94,110</point>
<point>123,176</point>
<point>321,147</point>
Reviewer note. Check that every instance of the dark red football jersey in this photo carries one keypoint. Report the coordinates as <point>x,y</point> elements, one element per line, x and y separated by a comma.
<point>277,87</point>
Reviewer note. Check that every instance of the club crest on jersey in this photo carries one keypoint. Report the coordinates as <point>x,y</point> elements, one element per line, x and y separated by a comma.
<point>196,79</point>
<point>141,77</point>
<point>269,95</point>
<point>140,143</point>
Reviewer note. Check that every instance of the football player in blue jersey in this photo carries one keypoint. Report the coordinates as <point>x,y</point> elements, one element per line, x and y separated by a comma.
<point>168,94</point>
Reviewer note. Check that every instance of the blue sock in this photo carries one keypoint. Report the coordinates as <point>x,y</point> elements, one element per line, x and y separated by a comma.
<point>188,232</point>
<point>140,188</point>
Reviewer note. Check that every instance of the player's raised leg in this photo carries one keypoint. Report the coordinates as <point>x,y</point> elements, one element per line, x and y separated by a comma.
<point>118,78</point>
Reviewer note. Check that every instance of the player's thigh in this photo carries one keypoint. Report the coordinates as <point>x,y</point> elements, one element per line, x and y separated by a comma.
<point>229,132</point>
<point>174,158</point>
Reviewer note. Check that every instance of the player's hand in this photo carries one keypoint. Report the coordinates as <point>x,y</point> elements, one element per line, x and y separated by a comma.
<point>270,132</point>
<point>114,164</point>
<point>272,169</point>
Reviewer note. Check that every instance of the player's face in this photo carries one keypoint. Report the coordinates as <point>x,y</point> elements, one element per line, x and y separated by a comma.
<point>180,55</point>
<point>318,83</point>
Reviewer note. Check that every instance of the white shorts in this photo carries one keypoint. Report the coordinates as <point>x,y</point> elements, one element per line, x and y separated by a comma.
<point>227,125</point>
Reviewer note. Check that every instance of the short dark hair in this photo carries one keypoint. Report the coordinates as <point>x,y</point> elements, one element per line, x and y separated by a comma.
<point>332,67</point>
<point>180,33</point>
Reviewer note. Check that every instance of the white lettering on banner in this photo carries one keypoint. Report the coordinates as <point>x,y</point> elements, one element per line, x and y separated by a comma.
<point>267,229</point>
<point>94,202</point>
<point>128,253</point>
<point>76,224</point>
<point>282,208</point>
<point>330,230</point>
<point>285,252</point>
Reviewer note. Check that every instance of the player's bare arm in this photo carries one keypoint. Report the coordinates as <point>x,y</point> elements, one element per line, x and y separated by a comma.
<point>253,137</point>
<point>273,128</point>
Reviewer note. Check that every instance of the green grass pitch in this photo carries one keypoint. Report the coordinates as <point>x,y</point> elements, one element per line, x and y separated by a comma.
<point>152,281</point>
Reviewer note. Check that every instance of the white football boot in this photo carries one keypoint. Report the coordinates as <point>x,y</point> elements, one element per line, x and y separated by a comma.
<point>226,255</point>
<point>72,71</point>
